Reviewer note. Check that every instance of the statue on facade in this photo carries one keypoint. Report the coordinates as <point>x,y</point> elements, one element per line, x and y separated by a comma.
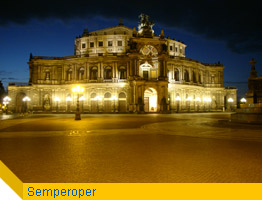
<point>145,27</point>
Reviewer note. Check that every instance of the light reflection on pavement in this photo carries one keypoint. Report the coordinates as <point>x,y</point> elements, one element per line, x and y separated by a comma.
<point>131,148</point>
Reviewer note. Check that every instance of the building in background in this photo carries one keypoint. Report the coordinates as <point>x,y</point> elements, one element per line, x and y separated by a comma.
<point>251,108</point>
<point>254,94</point>
<point>124,70</point>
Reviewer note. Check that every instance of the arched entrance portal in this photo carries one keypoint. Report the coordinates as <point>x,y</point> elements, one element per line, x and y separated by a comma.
<point>150,100</point>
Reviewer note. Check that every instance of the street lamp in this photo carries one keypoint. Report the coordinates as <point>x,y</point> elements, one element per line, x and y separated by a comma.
<point>178,99</point>
<point>198,101</point>
<point>189,99</point>
<point>57,99</point>
<point>68,100</point>
<point>26,99</point>
<point>243,100</point>
<point>82,98</point>
<point>77,90</point>
<point>97,98</point>
<point>6,102</point>
<point>114,98</point>
<point>230,101</point>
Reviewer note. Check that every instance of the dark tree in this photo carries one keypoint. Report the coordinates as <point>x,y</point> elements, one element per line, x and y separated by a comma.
<point>2,91</point>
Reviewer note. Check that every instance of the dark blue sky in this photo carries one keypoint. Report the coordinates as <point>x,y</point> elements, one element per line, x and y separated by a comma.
<point>210,38</point>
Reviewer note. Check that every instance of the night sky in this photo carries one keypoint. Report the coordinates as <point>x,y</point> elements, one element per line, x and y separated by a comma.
<point>225,31</point>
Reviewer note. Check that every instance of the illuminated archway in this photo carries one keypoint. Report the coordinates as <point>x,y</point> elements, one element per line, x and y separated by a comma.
<point>150,100</point>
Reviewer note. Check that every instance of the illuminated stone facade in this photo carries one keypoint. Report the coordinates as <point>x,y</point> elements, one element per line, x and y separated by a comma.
<point>123,70</point>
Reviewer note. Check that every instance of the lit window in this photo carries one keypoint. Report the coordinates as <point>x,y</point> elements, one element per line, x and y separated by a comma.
<point>81,73</point>
<point>194,77</point>
<point>83,45</point>
<point>122,72</point>
<point>177,75</point>
<point>93,73</point>
<point>119,43</point>
<point>110,43</point>
<point>100,43</point>
<point>108,72</point>
<point>186,76</point>
<point>91,44</point>
<point>145,75</point>
<point>69,74</point>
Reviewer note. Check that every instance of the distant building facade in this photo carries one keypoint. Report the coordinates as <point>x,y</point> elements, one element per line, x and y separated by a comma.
<point>254,94</point>
<point>123,70</point>
<point>251,108</point>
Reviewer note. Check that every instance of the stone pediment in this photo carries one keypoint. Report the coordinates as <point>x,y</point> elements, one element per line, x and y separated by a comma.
<point>116,30</point>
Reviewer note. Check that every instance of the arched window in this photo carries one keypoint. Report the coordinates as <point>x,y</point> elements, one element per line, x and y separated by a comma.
<point>81,73</point>
<point>122,72</point>
<point>122,95</point>
<point>186,76</point>
<point>194,77</point>
<point>107,95</point>
<point>93,95</point>
<point>69,74</point>
<point>176,75</point>
<point>199,78</point>
<point>93,73</point>
<point>108,72</point>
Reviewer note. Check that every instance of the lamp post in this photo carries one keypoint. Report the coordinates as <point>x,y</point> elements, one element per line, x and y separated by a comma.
<point>189,99</point>
<point>114,98</point>
<point>6,102</point>
<point>57,99</point>
<point>68,100</point>
<point>243,100</point>
<point>26,99</point>
<point>77,90</point>
<point>178,99</point>
<point>97,98</point>
<point>230,101</point>
<point>198,101</point>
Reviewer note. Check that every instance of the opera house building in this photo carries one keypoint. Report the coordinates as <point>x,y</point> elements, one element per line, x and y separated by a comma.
<point>124,70</point>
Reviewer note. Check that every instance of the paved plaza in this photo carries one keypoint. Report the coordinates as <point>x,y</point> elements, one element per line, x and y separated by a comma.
<point>196,147</point>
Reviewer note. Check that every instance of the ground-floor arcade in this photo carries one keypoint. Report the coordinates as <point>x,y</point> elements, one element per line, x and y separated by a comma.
<point>138,96</point>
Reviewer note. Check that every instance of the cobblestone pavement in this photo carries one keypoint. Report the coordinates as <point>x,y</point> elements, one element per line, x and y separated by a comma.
<point>131,148</point>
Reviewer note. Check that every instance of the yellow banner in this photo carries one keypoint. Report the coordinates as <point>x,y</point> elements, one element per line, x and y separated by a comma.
<point>126,191</point>
<point>143,191</point>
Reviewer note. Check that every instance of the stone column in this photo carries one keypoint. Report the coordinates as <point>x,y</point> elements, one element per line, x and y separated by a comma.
<point>87,72</point>
<point>127,69</point>
<point>116,72</point>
